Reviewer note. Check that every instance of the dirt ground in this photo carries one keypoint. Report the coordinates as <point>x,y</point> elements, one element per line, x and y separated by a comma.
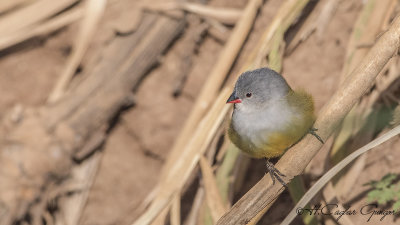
<point>138,145</point>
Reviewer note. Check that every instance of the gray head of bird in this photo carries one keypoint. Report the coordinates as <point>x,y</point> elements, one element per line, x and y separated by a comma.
<point>257,89</point>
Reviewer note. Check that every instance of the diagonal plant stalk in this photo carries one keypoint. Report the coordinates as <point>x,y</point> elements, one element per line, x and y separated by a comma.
<point>51,135</point>
<point>93,13</point>
<point>334,170</point>
<point>270,47</point>
<point>297,190</point>
<point>359,125</point>
<point>171,180</point>
<point>293,162</point>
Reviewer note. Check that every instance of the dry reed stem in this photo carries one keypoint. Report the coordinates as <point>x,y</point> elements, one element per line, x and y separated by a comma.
<point>48,26</point>
<point>330,192</point>
<point>204,100</point>
<point>293,162</point>
<point>214,82</point>
<point>187,160</point>
<point>227,16</point>
<point>318,21</point>
<point>347,181</point>
<point>389,15</point>
<point>225,171</point>
<point>333,171</point>
<point>93,12</point>
<point>31,14</point>
<point>197,204</point>
<point>270,45</point>
<point>213,196</point>
<point>71,209</point>
<point>175,218</point>
<point>6,5</point>
<point>368,26</point>
<point>162,216</point>
<point>284,17</point>
<point>217,30</point>
<point>71,131</point>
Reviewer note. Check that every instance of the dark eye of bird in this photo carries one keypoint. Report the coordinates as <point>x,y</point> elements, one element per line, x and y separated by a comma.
<point>248,95</point>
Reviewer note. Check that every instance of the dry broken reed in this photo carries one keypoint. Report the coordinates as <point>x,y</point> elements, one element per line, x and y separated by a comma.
<point>203,123</point>
<point>263,194</point>
<point>93,12</point>
<point>359,125</point>
<point>32,19</point>
<point>177,163</point>
<point>332,172</point>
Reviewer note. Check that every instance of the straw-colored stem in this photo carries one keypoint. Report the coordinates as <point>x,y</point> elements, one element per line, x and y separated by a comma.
<point>188,159</point>
<point>42,28</point>
<point>359,124</point>
<point>28,15</point>
<point>215,80</point>
<point>263,194</point>
<point>271,46</point>
<point>203,102</point>
<point>329,175</point>
<point>93,11</point>
<point>213,196</point>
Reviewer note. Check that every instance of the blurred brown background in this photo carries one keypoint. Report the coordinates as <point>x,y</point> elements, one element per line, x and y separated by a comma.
<point>48,44</point>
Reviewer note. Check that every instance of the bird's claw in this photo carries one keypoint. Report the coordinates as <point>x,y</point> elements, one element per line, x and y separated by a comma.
<point>275,173</point>
<point>312,131</point>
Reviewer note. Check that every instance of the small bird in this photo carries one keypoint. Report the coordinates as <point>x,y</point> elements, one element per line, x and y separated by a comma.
<point>268,116</point>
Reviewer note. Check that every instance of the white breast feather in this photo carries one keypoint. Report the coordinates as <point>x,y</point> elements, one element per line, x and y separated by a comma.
<point>255,126</point>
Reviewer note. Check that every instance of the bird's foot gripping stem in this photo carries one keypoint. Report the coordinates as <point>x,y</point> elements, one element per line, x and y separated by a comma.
<point>275,173</point>
<point>313,132</point>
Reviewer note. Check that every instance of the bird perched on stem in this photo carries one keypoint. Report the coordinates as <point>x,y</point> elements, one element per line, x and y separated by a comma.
<point>268,116</point>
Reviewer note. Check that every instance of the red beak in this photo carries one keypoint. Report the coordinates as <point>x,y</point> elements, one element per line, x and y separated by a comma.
<point>233,99</point>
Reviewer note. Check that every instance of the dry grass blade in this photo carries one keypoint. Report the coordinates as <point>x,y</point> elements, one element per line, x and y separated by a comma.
<point>82,176</point>
<point>293,162</point>
<point>347,181</point>
<point>329,193</point>
<point>175,218</point>
<point>6,5</point>
<point>160,219</point>
<point>31,14</point>
<point>358,127</point>
<point>396,116</point>
<point>317,21</point>
<point>272,40</point>
<point>204,100</point>
<point>214,82</point>
<point>270,46</point>
<point>188,159</point>
<point>93,11</point>
<point>296,190</point>
<point>223,15</point>
<point>325,16</point>
<point>197,203</point>
<point>42,28</point>
<point>368,26</point>
<point>214,199</point>
<point>217,30</point>
<point>333,171</point>
<point>225,171</point>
